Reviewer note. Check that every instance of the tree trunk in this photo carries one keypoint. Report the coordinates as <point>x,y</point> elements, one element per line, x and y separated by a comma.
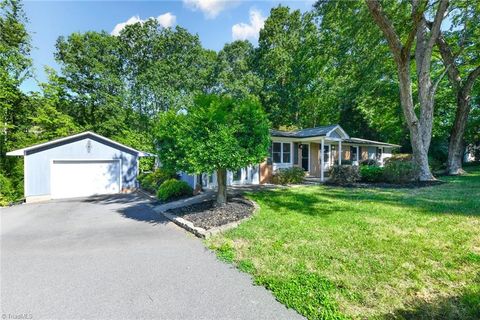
<point>455,147</point>
<point>222,187</point>
<point>420,153</point>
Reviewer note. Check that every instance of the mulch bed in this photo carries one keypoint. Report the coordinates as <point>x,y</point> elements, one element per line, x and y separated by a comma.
<point>384,185</point>
<point>206,215</point>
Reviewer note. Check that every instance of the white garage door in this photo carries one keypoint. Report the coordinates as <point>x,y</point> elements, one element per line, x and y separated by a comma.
<point>84,178</point>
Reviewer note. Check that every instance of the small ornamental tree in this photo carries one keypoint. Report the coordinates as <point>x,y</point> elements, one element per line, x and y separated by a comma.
<point>215,134</point>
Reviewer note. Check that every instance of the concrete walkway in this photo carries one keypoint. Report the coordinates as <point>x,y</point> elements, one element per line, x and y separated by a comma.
<point>115,258</point>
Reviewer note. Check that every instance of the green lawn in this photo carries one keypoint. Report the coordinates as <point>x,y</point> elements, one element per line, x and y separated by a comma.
<point>335,253</point>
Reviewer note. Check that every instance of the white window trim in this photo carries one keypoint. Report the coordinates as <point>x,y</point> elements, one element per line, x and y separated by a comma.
<point>281,152</point>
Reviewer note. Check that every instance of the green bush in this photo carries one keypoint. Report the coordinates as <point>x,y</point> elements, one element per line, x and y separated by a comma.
<point>173,189</point>
<point>399,171</point>
<point>151,181</point>
<point>288,175</point>
<point>7,192</point>
<point>344,174</point>
<point>371,173</point>
<point>369,162</point>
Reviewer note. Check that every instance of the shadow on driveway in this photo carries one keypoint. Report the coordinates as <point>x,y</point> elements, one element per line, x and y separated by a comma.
<point>132,206</point>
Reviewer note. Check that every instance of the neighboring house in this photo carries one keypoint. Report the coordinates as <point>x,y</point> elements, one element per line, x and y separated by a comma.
<point>302,148</point>
<point>80,165</point>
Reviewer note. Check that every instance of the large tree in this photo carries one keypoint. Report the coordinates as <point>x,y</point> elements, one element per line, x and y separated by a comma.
<point>290,64</point>
<point>234,72</point>
<point>214,135</point>
<point>415,35</point>
<point>460,51</point>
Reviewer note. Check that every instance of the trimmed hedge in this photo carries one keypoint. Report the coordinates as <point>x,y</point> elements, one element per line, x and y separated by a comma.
<point>371,173</point>
<point>151,181</point>
<point>344,174</point>
<point>399,171</point>
<point>173,189</point>
<point>288,175</point>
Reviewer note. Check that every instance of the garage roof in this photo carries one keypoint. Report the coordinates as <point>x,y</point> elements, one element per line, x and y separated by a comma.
<point>53,143</point>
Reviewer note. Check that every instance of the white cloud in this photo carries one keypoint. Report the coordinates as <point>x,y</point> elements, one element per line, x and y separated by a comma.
<point>210,8</point>
<point>165,20</point>
<point>244,31</point>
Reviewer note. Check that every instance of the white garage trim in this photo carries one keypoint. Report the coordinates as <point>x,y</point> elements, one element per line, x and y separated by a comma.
<point>80,162</point>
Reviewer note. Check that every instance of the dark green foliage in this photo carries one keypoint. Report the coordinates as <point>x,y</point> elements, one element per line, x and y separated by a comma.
<point>7,193</point>
<point>151,181</point>
<point>399,171</point>
<point>371,173</point>
<point>215,133</point>
<point>288,176</point>
<point>369,162</point>
<point>173,189</point>
<point>344,174</point>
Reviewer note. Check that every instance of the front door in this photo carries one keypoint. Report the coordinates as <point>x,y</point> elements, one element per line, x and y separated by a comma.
<point>326,157</point>
<point>305,156</point>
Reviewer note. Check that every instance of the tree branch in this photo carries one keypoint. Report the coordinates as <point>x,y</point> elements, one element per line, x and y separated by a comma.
<point>449,61</point>
<point>470,80</point>
<point>387,28</point>
<point>433,89</point>
<point>435,29</point>
<point>417,14</point>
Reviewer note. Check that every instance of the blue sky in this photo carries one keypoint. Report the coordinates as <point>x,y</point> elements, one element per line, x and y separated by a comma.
<point>216,21</point>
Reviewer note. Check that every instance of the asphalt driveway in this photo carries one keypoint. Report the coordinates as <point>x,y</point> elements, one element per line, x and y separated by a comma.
<point>114,258</point>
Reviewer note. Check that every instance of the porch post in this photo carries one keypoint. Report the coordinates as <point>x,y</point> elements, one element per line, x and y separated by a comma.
<point>340,152</point>
<point>322,159</point>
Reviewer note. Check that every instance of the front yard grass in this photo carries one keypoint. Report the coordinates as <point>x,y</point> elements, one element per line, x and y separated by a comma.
<point>339,253</point>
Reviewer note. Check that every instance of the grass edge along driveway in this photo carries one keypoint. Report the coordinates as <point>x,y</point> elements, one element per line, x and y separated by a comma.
<point>340,253</point>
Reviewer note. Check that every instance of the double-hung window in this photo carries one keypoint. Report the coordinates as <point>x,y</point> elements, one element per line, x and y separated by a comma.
<point>281,152</point>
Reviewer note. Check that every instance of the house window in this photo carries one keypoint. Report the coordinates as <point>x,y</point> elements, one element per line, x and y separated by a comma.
<point>353,153</point>
<point>286,153</point>
<point>281,152</point>
<point>379,154</point>
<point>277,152</point>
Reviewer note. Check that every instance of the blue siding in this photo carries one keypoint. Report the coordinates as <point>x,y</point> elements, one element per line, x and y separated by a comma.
<point>38,162</point>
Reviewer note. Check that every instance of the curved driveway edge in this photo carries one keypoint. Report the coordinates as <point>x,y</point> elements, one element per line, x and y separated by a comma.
<point>115,258</point>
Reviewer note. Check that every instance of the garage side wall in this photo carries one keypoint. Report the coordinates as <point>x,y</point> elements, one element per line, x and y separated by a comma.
<point>38,163</point>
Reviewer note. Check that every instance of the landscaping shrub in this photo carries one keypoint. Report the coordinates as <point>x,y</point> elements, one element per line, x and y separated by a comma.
<point>288,175</point>
<point>369,162</point>
<point>151,181</point>
<point>347,162</point>
<point>344,174</point>
<point>371,173</point>
<point>173,189</point>
<point>399,171</point>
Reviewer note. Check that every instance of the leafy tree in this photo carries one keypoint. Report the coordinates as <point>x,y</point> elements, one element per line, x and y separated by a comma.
<point>15,66</point>
<point>215,134</point>
<point>234,72</point>
<point>459,48</point>
<point>289,62</point>
<point>358,78</point>
<point>414,32</point>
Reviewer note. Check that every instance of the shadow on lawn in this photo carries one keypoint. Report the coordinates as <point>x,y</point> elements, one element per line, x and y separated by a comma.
<point>465,306</point>
<point>459,196</point>
<point>304,203</point>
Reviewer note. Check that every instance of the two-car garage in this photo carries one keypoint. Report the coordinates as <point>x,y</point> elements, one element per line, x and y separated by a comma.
<point>77,166</point>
